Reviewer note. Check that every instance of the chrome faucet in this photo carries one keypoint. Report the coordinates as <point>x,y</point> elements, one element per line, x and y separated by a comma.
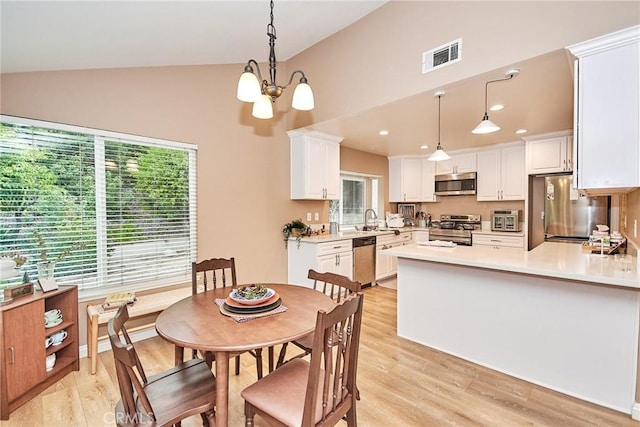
<point>374,218</point>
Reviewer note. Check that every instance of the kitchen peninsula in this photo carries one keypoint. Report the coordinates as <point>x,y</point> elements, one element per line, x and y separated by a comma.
<point>554,316</point>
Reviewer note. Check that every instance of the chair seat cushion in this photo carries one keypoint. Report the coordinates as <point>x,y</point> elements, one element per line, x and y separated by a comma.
<point>281,393</point>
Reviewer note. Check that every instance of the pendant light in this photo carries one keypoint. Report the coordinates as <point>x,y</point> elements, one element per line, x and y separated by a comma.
<point>486,125</point>
<point>253,88</point>
<point>439,154</point>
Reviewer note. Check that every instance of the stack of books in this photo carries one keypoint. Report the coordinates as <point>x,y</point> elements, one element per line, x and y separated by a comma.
<point>114,301</point>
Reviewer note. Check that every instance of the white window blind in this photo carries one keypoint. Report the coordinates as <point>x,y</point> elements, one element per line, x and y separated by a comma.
<point>114,210</point>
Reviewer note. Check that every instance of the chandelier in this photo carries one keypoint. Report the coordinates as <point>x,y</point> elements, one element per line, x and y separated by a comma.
<point>252,88</point>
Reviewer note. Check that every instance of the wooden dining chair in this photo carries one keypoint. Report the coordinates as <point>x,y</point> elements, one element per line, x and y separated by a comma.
<point>334,285</point>
<point>319,392</point>
<point>163,399</point>
<point>212,274</point>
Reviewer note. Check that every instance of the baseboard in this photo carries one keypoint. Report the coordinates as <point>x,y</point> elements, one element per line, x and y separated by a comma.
<point>635,411</point>
<point>105,345</point>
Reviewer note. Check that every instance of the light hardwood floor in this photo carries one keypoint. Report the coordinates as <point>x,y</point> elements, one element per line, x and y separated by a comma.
<point>401,384</point>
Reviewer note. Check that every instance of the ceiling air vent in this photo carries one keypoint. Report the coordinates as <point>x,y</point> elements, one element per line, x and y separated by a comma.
<point>442,55</point>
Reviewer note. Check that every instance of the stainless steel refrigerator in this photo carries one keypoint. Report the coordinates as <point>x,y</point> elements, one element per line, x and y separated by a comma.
<point>569,215</point>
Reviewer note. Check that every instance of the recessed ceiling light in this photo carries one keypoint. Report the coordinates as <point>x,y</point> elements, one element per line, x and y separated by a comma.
<point>496,107</point>
<point>424,147</point>
<point>519,131</point>
<point>384,132</point>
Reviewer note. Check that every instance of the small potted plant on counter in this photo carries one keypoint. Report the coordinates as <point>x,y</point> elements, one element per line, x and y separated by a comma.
<point>295,228</point>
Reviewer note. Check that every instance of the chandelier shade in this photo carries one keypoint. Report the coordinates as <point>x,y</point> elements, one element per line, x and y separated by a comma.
<point>248,86</point>
<point>262,107</point>
<point>253,88</point>
<point>439,155</point>
<point>486,125</point>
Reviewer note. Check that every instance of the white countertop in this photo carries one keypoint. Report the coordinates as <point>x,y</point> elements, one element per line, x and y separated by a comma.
<point>354,234</point>
<point>550,259</point>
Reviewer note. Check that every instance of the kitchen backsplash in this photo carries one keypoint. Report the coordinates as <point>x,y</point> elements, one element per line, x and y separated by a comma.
<point>459,205</point>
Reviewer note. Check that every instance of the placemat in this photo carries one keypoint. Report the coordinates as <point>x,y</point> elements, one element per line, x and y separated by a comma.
<point>246,317</point>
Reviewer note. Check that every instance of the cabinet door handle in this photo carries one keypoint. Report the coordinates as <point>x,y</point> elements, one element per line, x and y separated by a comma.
<point>496,240</point>
<point>338,259</point>
<point>569,164</point>
<point>13,355</point>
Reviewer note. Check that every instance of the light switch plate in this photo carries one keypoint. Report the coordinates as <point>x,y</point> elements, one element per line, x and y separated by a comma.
<point>317,217</point>
<point>308,216</point>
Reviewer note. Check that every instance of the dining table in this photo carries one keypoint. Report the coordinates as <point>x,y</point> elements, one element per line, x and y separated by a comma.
<point>198,323</point>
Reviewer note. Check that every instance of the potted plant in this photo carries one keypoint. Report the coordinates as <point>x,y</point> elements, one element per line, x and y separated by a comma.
<point>295,228</point>
<point>47,265</point>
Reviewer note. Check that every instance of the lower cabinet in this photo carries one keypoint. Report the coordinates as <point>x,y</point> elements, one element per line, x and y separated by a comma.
<point>24,346</point>
<point>498,240</point>
<point>387,265</point>
<point>334,257</point>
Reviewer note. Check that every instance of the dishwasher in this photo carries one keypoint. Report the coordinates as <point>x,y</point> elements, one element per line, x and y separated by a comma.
<point>364,260</point>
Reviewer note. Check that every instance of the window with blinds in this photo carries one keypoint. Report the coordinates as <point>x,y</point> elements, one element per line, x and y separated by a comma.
<point>109,209</point>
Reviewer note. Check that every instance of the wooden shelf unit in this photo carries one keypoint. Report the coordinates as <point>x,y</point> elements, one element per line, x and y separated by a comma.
<point>23,372</point>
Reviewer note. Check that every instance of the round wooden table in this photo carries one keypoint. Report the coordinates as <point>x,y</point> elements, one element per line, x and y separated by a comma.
<point>196,323</point>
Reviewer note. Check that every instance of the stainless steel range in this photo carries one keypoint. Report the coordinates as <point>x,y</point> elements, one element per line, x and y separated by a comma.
<point>455,228</point>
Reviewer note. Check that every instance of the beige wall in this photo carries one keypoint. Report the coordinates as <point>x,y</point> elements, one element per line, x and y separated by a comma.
<point>377,60</point>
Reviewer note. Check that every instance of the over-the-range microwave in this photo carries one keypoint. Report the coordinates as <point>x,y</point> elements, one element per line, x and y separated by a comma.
<point>456,184</point>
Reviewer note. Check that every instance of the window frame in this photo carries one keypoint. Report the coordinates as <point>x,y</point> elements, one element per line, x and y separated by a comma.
<point>99,139</point>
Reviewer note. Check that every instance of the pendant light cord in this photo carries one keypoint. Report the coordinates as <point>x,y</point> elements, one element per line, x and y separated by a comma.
<point>439,147</point>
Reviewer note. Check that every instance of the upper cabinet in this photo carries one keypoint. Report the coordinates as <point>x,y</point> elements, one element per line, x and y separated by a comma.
<point>606,111</point>
<point>411,179</point>
<point>549,153</point>
<point>428,181</point>
<point>458,163</point>
<point>405,175</point>
<point>315,165</point>
<point>501,174</point>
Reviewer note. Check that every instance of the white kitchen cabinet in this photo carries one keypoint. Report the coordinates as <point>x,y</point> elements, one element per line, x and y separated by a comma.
<point>498,240</point>
<point>404,179</point>
<point>549,153</point>
<point>335,257</point>
<point>458,163</point>
<point>607,112</point>
<point>420,235</point>
<point>315,165</point>
<point>428,181</point>
<point>387,265</point>
<point>411,179</point>
<point>501,174</point>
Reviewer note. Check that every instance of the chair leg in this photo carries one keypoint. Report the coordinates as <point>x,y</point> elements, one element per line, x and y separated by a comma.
<point>352,421</point>
<point>270,359</point>
<point>209,418</point>
<point>248,414</point>
<point>237,365</point>
<point>283,353</point>
<point>259,362</point>
<point>208,359</point>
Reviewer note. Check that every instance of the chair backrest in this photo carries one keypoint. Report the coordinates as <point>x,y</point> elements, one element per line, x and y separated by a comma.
<point>336,286</point>
<point>331,386</point>
<point>213,273</point>
<point>129,370</point>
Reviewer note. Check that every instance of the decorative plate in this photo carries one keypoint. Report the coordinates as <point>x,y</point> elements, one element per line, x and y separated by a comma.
<point>237,296</point>
<point>233,303</point>
<point>252,310</point>
<point>53,324</point>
